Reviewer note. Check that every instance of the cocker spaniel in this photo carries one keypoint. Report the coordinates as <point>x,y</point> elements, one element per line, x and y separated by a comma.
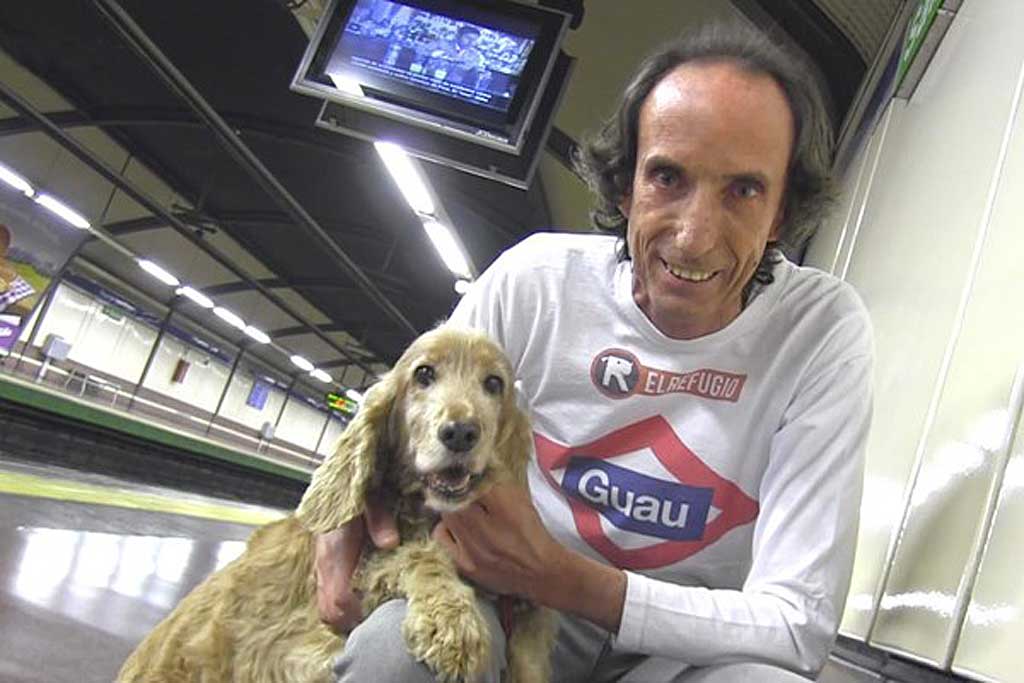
<point>433,434</point>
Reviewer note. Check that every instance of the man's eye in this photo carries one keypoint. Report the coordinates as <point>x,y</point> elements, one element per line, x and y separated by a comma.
<point>747,190</point>
<point>424,375</point>
<point>494,385</point>
<point>665,176</point>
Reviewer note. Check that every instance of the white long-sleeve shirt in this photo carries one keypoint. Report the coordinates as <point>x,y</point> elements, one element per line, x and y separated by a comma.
<point>722,473</point>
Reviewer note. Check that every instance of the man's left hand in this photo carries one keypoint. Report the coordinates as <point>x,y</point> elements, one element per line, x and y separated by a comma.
<point>500,543</point>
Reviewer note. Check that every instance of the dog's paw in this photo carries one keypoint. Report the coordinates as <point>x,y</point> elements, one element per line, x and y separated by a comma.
<point>450,637</point>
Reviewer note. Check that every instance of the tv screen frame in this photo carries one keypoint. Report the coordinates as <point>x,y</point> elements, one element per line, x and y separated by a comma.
<point>379,89</point>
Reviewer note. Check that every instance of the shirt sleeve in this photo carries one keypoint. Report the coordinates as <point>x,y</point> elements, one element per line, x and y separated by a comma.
<point>788,610</point>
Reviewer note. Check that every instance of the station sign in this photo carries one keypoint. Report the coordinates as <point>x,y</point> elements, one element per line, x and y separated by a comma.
<point>341,404</point>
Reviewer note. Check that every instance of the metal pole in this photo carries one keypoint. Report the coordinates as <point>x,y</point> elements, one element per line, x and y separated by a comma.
<point>320,440</point>
<point>227,385</point>
<point>287,396</point>
<point>152,355</point>
<point>165,69</point>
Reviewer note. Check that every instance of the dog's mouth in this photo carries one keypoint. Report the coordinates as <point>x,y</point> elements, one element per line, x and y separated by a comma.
<point>452,483</point>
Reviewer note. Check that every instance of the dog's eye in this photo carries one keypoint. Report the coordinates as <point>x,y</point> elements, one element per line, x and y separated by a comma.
<point>424,375</point>
<point>494,384</point>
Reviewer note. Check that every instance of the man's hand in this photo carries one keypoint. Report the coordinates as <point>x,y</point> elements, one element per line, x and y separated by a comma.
<point>500,543</point>
<point>337,554</point>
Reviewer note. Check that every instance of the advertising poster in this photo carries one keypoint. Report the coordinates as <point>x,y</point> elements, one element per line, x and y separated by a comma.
<point>34,246</point>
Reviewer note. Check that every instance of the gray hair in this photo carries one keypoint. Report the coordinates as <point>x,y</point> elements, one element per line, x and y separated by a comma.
<point>607,161</point>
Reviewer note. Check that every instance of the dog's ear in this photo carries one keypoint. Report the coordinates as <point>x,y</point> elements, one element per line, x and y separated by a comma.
<point>515,441</point>
<point>338,490</point>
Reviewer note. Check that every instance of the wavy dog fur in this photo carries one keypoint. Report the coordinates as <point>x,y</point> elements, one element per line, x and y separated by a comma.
<point>255,621</point>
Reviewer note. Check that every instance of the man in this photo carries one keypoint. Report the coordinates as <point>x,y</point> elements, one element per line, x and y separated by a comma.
<point>700,404</point>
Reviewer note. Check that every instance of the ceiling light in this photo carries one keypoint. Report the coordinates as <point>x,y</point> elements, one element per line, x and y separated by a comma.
<point>229,317</point>
<point>196,296</point>
<point>403,169</point>
<point>448,248</point>
<point>462,286</point>
<point>257,334</point>
<point>322,376</point>
<point>68,214</point>
<point>16,181</point>
<point>302,363</point>
<point>354,395</point>
<point>158,272</point>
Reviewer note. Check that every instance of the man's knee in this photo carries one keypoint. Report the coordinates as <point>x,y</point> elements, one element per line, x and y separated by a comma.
<point>376,650</point>
<point>743,673</point>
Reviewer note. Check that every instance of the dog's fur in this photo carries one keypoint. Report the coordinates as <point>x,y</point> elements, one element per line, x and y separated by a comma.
<point>255,621</point>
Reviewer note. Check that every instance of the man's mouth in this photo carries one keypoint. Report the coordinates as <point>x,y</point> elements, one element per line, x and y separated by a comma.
<point>451,482</point>
<point>687,274</point>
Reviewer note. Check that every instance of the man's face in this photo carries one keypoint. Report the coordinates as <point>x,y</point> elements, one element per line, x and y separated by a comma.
<point>712,153</point>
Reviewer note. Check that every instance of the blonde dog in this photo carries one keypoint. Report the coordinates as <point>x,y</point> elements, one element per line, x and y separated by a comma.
<point>435,432</point>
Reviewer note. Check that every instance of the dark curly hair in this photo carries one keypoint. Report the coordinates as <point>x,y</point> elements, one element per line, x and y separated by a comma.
<point>607,161</point>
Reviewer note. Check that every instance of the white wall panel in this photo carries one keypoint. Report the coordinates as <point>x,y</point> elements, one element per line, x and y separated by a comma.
<point>911,264</point>
<point>953,141</point>
<point>203,382</point>
<point>235,408</point>
<point>334,430</point>
<point>990,644</point>
<point>300,424</point>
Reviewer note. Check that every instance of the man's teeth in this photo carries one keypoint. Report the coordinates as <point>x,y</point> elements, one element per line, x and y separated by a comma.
<point>692,275</point>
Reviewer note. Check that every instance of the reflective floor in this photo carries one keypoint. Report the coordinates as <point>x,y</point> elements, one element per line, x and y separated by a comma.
<point>82,583</point>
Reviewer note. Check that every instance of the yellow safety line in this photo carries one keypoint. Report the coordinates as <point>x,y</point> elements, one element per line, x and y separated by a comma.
<point>79,492</point>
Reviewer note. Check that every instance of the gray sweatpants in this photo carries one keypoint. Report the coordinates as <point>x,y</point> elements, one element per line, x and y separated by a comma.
<point>583,654</point>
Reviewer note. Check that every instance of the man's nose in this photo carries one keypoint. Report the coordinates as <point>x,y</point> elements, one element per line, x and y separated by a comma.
<point>698,222</point>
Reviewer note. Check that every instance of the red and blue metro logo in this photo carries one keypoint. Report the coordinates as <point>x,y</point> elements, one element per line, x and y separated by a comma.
<point>676,508</point>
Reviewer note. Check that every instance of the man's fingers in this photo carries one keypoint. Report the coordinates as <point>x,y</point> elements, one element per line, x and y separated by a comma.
<point>380,522</point>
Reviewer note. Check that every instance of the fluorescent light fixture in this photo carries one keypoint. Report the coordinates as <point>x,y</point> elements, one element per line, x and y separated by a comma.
<point>354,395</point>
<point>322,376</point>
<point>301,363</point>
<point>158,272</point>
<point>16,181</point>
<point>403,169</point>
<point>448,248</point>
<point>196,296</point>
<point>462,286</point>
<point>229,317</point>
<point>68,214</point>
<point>257,334</point>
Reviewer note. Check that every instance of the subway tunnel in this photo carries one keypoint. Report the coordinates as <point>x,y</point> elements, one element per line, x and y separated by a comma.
<point>205,268</point>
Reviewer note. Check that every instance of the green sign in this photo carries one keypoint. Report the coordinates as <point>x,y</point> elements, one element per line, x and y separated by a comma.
<point>343,405</point>
<point>917,29</point>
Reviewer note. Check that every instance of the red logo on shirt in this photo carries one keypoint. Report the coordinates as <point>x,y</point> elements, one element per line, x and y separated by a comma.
<point>674,515</point>
<point>619,374</point>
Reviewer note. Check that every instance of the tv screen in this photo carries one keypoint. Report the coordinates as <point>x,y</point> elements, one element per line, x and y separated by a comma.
<point>475,69</point>
<point>463,60</point>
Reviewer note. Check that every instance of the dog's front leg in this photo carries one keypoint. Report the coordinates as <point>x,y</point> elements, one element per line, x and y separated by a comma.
<point>443,626</point>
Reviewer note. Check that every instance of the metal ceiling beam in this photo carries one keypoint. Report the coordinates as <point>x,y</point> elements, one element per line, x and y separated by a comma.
<point>90,159</point>
<point>136,117</point>
<point>290,283</point>
<point>299,330</point>
<point>165,69</point>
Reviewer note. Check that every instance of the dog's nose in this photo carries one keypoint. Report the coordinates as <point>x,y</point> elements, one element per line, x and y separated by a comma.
<point>459,436</point>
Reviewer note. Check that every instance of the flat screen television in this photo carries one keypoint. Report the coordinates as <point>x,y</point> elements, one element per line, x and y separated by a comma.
<point>469,83</point>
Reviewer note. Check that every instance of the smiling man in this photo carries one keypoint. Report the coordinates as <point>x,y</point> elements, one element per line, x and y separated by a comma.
<point>700,403</point>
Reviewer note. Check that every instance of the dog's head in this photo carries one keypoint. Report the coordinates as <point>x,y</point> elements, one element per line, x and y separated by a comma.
<point>446,415</point>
